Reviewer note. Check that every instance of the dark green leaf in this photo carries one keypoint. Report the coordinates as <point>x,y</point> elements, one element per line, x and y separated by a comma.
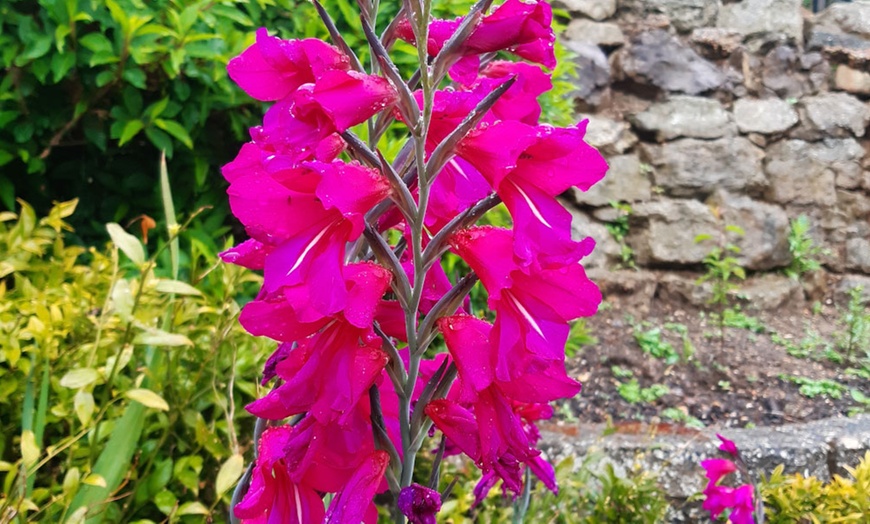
<point>160,140</point>
<point>134,76</point>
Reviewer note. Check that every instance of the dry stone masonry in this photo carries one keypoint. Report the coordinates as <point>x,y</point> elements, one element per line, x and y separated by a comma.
<point>716,113</point>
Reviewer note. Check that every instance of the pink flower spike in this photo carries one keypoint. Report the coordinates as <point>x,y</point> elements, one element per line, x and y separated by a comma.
<point>717,468</point>
<point>352,503</point>
<point>273,68</point>
<point>717,500</point>
<point>420,504</point>
<point>728,446</point>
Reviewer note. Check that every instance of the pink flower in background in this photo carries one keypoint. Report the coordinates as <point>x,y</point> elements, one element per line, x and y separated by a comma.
<point>728,446</point>
<point>718,498</point>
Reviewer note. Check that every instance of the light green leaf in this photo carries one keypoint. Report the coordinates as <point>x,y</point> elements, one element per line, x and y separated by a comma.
<point>230,473</point>
<point>158,337</point>
<point>176,286</point>
<point>192,508</point>
<point>71,480</point>
<point>175,129</point>
<point>79,378</point>
<point>131,129</point>
<point>94,480</point>
<point>77,516</point>
<point>83,403</point>
<point>29,449</point>
<point>147,398</point>
<point>122,299</point>
<point>127,243</point>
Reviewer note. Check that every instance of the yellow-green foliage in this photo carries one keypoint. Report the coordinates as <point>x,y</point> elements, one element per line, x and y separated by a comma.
<point>798,499</point>
<point>121,387</point>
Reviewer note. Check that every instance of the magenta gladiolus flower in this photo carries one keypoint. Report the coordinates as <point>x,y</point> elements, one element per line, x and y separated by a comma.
<point>720,498</point>
<point>420,504</point>
<point>516,26</point>
<point>528,166</point>
<point>273,497</point>
<point>532,310</point>
<point>273,68</point>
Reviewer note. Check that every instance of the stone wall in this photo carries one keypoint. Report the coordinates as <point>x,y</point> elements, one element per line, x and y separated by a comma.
<point>715,113</point>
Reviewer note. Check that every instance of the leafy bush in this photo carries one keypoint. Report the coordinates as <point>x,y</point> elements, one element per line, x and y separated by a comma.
<point>120,387</point>
<point>795,498</point>
<point>94,90</point>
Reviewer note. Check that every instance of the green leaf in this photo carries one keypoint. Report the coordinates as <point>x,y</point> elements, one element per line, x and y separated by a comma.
<point>161,140</point>
<point>61,64</point>
<point>192,508</point>
<point>165,501</point>
<point>83,404</point>
<point>7,190</point>
<point>29,449</point>
<point>175,129</point>
<point>96,42</point>
<point>104,78</point>
<point>77,516</point>
<point>154,110</point>
<point>127,243</point>
<point>158,337</point>
<point>230,473</point>
<point>131,129</point>
<point>147,398</point>
<point>135,76</point>
<point>94,480</point>
<point>176,286</point>
<point>79,378</point>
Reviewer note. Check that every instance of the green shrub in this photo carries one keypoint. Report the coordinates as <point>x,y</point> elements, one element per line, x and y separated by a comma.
<point>798,499</point>
<point>121,388</point>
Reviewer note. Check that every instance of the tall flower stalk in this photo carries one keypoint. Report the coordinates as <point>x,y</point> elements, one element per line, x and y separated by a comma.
<point>376,343</point>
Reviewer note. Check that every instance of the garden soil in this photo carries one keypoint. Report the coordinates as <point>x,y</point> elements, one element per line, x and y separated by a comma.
<point>746,378</point>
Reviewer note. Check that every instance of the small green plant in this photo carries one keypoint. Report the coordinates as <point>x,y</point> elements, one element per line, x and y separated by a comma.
<point>856,321</point>
<point>722,268</point>
<point>813,388</point>
<point>632,393</point>
<point>621,372</point>
<point>734,317</point>
<point>682,417</point>
<point>804,253</point>
<point>652,343</point>
<point>683,331</point>
<point>579,337</point>
<point>618,228</point>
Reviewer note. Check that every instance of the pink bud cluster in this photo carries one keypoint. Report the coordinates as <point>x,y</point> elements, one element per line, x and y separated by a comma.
<point>352,371</point>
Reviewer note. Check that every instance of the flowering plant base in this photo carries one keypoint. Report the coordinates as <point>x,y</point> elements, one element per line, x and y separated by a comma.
<point>351,243</point>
